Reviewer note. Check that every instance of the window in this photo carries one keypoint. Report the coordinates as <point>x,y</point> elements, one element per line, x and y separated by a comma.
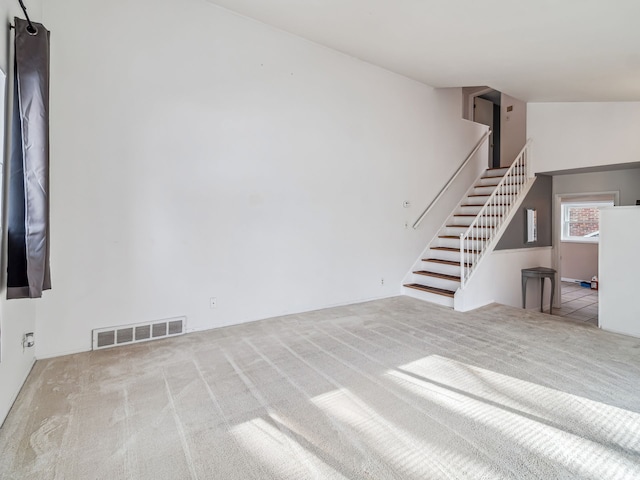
<point>581,221</point>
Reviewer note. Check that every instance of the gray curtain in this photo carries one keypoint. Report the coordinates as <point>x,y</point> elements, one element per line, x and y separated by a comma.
<point>28,206</point>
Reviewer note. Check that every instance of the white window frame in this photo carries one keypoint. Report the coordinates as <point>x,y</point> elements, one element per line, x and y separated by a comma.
<point>564,236</point>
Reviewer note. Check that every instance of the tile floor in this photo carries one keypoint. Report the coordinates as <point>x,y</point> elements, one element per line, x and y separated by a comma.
<point>578,303</point>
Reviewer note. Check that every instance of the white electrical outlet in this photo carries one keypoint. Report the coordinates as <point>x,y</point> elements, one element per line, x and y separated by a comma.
<point>382,282</point>
<point>213,302</point>
<point>28,340</point>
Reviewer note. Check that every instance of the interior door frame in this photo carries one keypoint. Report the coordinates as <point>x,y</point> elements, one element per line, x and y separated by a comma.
<point>472,98</point>
<point>472,114</point>
<point>556,228</point>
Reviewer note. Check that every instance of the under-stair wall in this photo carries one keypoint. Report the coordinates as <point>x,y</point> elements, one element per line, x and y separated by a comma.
<point>498,280</point>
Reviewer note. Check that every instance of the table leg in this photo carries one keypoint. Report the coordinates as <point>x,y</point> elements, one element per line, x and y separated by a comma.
<point>541,292</point>
<point>553,289</point>
<point>524,292</point>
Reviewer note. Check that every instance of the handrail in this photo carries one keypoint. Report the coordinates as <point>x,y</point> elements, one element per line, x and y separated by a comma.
<point>492,208</point>
<point>446,187</point>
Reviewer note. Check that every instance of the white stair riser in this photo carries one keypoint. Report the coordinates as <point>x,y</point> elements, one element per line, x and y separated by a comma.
<point>484,190</point>
<point>480,201</point>
<point>495,181</point>
<point>428,297</point>
<point>482,233</point>
<point>466,221</point>
<point>441,268</point>
<point>436,282</point>
<point>468,209</point>
<point>462,221</point>
<point>505,200</point>
<point>444,255</point>
<point>488,181</point>
<point>455,243</point>
<point>503,171</point>
<point>475,209</point>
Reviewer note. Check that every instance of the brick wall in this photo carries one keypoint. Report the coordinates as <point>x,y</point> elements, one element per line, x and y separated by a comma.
<point>583,221</point>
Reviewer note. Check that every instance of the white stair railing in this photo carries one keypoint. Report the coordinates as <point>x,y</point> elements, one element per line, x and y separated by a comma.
<point>483,230</point>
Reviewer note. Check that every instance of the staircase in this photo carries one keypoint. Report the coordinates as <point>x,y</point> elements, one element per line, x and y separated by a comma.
<point>471,230</point>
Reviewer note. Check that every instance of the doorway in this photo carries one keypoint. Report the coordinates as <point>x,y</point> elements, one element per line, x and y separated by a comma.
<point>487,111</point>
<point>506,115</point>
<point>577,234</point>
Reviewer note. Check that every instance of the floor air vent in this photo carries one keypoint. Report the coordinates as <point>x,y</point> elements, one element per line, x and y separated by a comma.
<point>140,332</point>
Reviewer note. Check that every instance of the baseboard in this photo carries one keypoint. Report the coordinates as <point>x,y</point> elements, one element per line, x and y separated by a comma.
<point>4,415</point>
<point>616,332</point>
<point>293,312</point>
<point>62,354</point>
<point>211,327</point>
<point>571,280</point>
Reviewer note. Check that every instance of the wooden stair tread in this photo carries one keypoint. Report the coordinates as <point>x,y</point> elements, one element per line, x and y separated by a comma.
<point>483,195</point>
<point>437,291</point>
<point>449,249</point>
<point>437,275</point>
<point>458,237</point>
<point>471,214</point>
<point>444,262</point>
<point>501,176</point>
<point>467,226</point>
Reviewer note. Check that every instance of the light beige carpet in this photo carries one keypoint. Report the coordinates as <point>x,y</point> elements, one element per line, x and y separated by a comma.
<point>391,389</point>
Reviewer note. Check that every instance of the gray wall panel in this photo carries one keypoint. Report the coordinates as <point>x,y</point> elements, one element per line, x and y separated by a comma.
<point>540,198</point>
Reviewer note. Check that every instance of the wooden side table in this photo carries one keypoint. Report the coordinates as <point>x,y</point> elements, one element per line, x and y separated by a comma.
<point>541,273</point>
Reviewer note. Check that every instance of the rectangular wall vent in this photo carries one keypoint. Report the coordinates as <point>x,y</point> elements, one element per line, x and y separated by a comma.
<point>139,332</point>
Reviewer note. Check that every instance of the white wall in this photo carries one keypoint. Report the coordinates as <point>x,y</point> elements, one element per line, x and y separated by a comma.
<point>17,317</point>
<point>513,129</point>
<point>576,135</point>
<point>196,153</point>
<point>499,279</point>
<point>619,309</point>
<point>578,261</point>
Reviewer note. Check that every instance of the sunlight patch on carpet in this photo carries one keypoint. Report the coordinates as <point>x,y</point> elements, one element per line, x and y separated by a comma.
<point>587,438</point>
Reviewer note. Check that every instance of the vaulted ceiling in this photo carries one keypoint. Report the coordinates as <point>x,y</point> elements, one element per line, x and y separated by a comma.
<point>535,50</point>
